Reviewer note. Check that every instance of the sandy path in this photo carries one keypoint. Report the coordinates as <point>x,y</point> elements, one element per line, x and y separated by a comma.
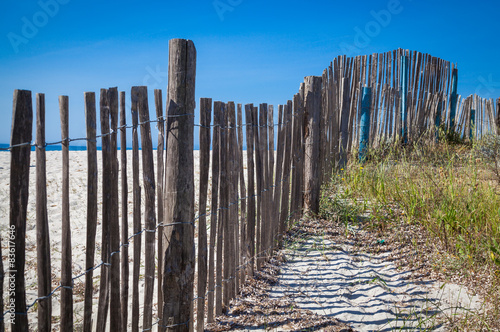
<point>366,290</point>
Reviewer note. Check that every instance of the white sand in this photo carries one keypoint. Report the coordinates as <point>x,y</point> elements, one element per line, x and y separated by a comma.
<point>78,215</point>
<point>367,291</point>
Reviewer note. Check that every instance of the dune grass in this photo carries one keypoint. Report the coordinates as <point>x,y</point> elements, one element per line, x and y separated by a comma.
<point>450,187</point>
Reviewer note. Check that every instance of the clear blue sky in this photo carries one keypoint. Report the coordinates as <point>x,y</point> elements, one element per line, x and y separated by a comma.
<point>249,51</point>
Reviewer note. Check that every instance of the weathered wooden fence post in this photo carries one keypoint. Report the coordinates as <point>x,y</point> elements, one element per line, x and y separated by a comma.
<point>251,189</point>
<point>214,201</point>
<point>205,119</point>
<point>258,184</point>
<point>224,203</point>
<point>137,224</point>
<point>107,169</point>
<point>42,226</point>
<point>219,165</point>
<point>141,93</point>
<point>232,171</point>
<point>179,257</point>
<point>124,256</point>
<point>280,145</point>
<point>22,124</point>
<point>160,179</point>
<point>66,259</point>
<point>92,185</point>
<point>312,100</point>
<point>453,99</point>
<point>244,200</point>
<point>344,121</point>
<point>296,192</point>
<point>264,174</point>
<point>114,223</point>
<point>274,224</point>
<point>404,94</point>
<point>287,158</point>
<point>364,126</point>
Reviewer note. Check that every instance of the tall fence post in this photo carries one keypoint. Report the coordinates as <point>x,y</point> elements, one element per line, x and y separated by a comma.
<point>141,93</point>
<point>251,189</point>
<point>365,123</point>
<point>264,174</point>
<point>312,101</point>
<point>179,257</point>
<point>125,271</point>
<point>205,119</point>
<point>22,124</point>
<point>42,221</point>
<point>92,183</point>
<point>344,122</point>
<point>103,303</point>
<point>66,258</point>
<point>114,224</point>
<point>287,157</point>
<point>453,98</point>
<point>136,221</point>
<point>232,221</point>
<point>404,95</point>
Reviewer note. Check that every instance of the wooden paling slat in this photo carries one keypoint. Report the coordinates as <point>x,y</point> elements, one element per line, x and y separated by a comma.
<point>224,203</point>
<point>285,191</point>
<point>205,119</point>
<point>141,94</point>
<point>114,224</point>
<point>160,180</point>
<point>244,200</point>
<point>233,220</point>
<point>312,104</point>
<point>251,218</point>
<point>103,304</point>
<point>271,177</point>
<point>66,259</point>
<point>279,174</point>
<point>259,179</point>
<point>124,291</point>
<point>137,223</point>
<point>42,222</point>
<point>22,124</point>
<point>213,220</point>
<point>92,184</point>
<point>295,146</point>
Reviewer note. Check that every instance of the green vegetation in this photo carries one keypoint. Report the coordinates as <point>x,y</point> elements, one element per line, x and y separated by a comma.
<point>451,188</point>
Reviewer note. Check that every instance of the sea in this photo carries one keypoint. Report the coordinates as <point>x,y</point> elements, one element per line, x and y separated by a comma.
<point>5,147</point>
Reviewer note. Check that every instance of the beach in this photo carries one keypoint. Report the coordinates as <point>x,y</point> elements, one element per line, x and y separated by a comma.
<point>78,221</point>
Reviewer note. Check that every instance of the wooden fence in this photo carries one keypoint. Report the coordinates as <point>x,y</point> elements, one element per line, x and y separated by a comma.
<point>245,205</point>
